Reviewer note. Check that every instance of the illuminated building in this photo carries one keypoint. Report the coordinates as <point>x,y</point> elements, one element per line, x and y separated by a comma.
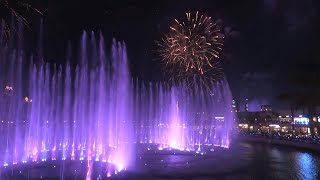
<point>285,119</point>
<point>301,125</point>
<point>264,121</point>
<point>301,120</point>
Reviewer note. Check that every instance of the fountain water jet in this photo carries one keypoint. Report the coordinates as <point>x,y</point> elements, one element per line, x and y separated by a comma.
<point>82,114</point>
<point>182,118</point>
<point>94,112</point>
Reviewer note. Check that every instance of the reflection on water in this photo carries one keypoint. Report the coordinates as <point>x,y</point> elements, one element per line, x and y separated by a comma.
<point>270,162</point>
<point>241,161</point>
<point>307,165</point>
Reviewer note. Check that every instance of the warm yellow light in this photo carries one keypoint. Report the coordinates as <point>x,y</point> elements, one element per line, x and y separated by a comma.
<point>243,125</point>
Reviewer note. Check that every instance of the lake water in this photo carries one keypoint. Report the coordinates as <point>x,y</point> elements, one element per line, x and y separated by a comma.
<point>241,161</point>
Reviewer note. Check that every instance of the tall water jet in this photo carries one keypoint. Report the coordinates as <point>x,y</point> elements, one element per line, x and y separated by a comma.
<point>181,117</point>
<point>93,111</point>
<point>175,135</point>
<point>59,112</point>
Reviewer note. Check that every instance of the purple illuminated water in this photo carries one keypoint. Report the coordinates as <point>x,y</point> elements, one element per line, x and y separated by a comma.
<point>183,118</point>
<point>94,111</point>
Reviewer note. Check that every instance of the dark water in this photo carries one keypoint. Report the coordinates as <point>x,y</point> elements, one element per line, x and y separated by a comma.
<point>276,162</point>
<point>241,161</point>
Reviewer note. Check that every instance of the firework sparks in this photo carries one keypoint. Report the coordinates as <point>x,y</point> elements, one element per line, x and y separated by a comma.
<point>192,49</point>
<point>16,9</point>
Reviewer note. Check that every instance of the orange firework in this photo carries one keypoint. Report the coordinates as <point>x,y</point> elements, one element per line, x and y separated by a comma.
<point>192,48</point>
<point>16,9</point>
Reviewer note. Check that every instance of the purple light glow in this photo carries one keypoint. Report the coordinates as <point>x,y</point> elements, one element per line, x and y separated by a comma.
<point>95,112</point>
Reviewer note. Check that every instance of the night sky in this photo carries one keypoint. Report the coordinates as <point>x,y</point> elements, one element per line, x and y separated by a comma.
<point>265,38</point>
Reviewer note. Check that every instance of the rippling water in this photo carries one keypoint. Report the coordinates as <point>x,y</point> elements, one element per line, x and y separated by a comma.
<point>241,161</point>
<point>277,162</point>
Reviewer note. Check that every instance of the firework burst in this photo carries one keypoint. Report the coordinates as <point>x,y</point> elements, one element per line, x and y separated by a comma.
<point>192,49</point>
<point>15,10</point>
